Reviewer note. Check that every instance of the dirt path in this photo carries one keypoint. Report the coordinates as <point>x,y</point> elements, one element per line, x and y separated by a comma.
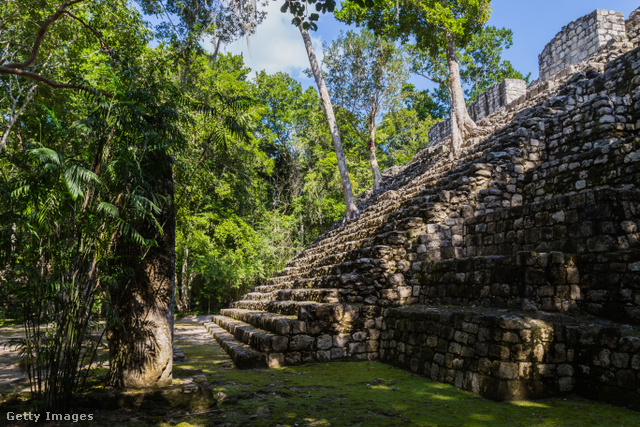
<point>187,332</point>
<point>11,379</point>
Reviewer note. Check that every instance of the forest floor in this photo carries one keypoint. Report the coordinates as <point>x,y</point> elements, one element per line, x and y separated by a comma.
<point>322,394</point>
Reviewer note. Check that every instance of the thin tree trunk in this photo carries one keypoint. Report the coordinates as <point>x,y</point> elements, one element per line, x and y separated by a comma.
<point>185,291</point>
<point>375,169</point>
<point>213,57</point>
<point>352,210</point>
<point>13,116</point>
<point>458,106</point>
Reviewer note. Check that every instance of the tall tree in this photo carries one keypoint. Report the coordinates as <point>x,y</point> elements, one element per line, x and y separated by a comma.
<point>304,23</point>
<point>481,66</point>
<point>365,75</point>
<point>192,24</point>
<point>437,26</point>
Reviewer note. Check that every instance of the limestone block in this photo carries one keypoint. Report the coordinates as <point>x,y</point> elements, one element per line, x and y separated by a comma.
<point>301,342</point>
<point>324,342</point>
<point>275,360</point>
<point>337,353</point>
<point>279,343</point>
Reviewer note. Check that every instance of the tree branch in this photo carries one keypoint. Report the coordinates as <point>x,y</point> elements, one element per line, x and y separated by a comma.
<point>433,79</point>
<point>40,36</point>
<point>55,85</point>
<point>355,129</point>
<point>14,115</point>
<point>95,33</point>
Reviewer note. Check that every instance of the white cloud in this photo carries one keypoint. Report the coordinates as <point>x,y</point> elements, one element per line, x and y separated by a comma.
<point>277,46</point>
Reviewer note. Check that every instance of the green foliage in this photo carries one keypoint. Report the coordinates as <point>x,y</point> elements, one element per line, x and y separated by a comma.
<point>404,134</point>
<point>255,174</point>
<point>186,23</point>
<point>365,75</point>
<point>77,181</point>
<point>481,66</point>
<point>426,22</point>
<point>423,104</point>
<point>220,191</point>
<point>482,61</point>
<point>304,15</point>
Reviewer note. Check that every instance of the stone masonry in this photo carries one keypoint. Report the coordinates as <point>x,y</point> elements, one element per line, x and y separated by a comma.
<point>493,99</point>
<point>513,272</point>
<point>580,40</point>
<point>584,43</point>
<point>633,27</point>
<point>497,96</point>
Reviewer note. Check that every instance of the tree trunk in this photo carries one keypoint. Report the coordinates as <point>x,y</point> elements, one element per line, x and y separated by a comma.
<point>141,344</point>
<point>456,138</point>
<point>463,121</point>
<point>352,210</point>
<point>185,284</point>
<point>375,169</point>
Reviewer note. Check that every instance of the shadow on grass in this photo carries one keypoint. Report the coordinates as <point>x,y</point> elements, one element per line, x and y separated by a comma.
<point>327,394</point>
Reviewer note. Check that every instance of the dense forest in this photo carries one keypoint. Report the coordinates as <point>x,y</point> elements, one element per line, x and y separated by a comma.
<point>129,152</point>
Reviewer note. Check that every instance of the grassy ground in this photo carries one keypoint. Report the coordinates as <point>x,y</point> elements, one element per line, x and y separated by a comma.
<point>334,394</point>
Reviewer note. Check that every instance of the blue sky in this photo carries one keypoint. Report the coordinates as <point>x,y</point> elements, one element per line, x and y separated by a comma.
<point>277,45</point>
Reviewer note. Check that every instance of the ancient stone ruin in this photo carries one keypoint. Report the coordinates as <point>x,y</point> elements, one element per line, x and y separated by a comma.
<point>512,273</point>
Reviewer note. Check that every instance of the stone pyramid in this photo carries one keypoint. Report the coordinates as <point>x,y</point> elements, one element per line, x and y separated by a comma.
<point>512,272</point>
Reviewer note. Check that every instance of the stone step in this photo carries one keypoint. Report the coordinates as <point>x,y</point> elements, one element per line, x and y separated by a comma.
<point>329,281</point>
<point>243,356</point>
<point>288,308</point>
<point>419,206</point>
<point>316,295</point>
<point>369,222</point>
<point>413,207</point>
<point>340,264</point>
<point>303,283</point>
<point>259,296</point>
<point>272,345</point>
<point>323,295</point>
<point>283,284</point>
<point>270,322</point>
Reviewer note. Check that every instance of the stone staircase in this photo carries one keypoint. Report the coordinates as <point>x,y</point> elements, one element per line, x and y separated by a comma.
<point>512,272</point>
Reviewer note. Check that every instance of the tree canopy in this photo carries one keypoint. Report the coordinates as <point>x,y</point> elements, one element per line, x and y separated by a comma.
<point>130,155</point>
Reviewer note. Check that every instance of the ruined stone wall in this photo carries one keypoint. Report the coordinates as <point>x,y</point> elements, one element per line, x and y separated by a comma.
<point>605,285</point>
<point>580,40</point>
<point>587,43</point>
<point>527,189</point>
<point>497,96</point>
<point>493,99</point>
<point>439,132</point>
<point>502,356</point>
<point>633,27</point>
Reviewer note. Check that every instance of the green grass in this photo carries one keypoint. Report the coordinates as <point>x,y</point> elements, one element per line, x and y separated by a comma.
<point>346,394</point>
